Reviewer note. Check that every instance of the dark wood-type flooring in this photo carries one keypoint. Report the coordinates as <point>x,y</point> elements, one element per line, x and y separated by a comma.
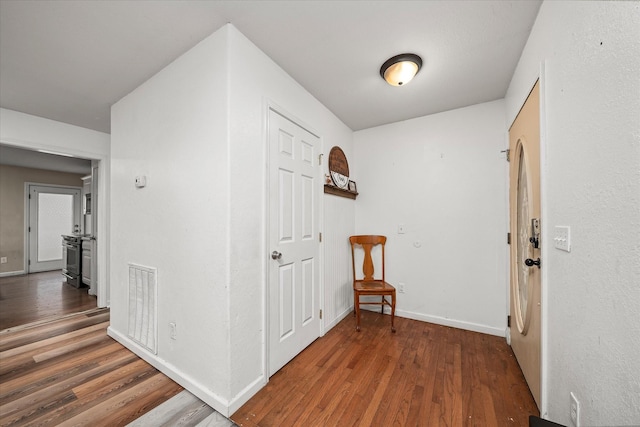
<point>69,372</point>
<point>33,297</point>
<point>423,375</point>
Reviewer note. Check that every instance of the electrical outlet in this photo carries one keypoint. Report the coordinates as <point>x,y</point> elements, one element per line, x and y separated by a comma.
<point>173,332</point>
<point>3,260</point>
<point>401,288</point>
<point>574,411</point>
<point>401,229</point>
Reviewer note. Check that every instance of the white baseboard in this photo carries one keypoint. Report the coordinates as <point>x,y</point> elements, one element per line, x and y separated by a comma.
<point>216,402</point>
<point>460,324</point>
<point>12,273</point>
<point>338,319</point>
<point>247,393</point>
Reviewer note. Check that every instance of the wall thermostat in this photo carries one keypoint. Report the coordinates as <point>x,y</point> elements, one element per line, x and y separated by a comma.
<point>141,181</point>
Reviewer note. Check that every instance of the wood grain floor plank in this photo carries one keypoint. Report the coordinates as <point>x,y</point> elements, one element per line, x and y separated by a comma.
<point>9,339</point>
<point>45,395</point>
<point>110,411</point>
<point>114,380</point>
<point>183,409</point>
<point>50,343</point>
<point>50,371</point>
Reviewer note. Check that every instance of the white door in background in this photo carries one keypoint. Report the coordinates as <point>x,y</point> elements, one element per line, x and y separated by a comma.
<point>53,211</point>
<point>294,268</point>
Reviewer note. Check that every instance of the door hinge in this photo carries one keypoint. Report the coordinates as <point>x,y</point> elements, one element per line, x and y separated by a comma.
<point>320,313</point>
<point>320,237</point>
<point>509,321</point>
<point>29,196</point>
<point>29,262</point>
<point>508,238</point>
<point>320,159</point>
<point>507,154</point>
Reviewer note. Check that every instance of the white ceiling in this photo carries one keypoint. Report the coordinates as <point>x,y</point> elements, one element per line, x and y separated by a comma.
<point>71,60</point>
<point>12,156</point>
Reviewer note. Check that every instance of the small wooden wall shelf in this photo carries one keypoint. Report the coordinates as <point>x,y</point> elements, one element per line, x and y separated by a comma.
<point>336,191</point>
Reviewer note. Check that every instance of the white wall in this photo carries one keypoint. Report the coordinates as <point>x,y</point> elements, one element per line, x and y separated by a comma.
<point>197,130</point>
<point>443,177</point>
<point>591,136</point>
<point>255,83</point>
<point>173,130</point>
<point>36,133</point>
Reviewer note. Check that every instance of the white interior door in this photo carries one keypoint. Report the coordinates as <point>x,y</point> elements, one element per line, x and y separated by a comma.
<point>294,295</point>
<point>53,211</point>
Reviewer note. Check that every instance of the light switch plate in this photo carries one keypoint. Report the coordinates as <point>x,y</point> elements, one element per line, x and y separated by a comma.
<point>562,238</point>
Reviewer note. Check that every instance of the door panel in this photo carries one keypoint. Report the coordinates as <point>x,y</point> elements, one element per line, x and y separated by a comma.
<point>524,205</point>
<point>286,206</point>
<point>53,211</point>
<point>308,285</point>
<point>286,304</point>
<point>294,246</point>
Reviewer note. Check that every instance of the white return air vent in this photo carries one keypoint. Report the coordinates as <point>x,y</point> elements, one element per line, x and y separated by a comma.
<point>143,306</point>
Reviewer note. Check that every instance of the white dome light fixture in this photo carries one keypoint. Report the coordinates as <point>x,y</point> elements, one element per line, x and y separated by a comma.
<point>400,69</point>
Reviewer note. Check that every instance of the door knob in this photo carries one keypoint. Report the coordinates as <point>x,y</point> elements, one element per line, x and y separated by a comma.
<point>531,262</point>
<point>276,255</point>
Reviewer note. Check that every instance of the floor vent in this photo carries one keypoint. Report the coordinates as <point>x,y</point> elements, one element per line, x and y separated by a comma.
<point>143,306</point>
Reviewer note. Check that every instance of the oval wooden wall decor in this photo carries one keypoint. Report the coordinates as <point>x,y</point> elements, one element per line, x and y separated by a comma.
<point>338,167</point>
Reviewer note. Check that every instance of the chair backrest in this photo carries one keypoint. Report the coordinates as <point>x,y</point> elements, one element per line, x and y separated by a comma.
<point>367,242</point>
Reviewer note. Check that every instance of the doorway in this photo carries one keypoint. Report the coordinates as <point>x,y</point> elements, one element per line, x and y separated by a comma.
<point>37,291</point>
<point>53,211</point>
<point>294,246</point>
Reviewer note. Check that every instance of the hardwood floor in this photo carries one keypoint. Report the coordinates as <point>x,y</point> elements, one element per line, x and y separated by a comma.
<point>423,375</point>
<point>69,372</point>
<point>33,297</point>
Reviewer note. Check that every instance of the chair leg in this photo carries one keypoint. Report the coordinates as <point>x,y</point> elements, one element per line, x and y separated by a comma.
<point>382,305</point>
<point>393,311</point>
<point>356,302</point>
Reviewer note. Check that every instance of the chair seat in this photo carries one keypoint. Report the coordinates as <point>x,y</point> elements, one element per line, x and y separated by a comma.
<point>375,286</point>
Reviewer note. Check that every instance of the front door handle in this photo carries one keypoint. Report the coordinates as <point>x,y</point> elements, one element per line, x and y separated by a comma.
<point>531,262</point>
<point>276,255</point>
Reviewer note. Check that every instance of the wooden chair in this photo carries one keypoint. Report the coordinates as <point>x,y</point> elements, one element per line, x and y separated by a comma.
<point>368,285</point>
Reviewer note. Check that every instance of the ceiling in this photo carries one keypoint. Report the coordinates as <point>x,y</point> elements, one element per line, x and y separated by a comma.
<point>12,156</point>
<point>71,60</point>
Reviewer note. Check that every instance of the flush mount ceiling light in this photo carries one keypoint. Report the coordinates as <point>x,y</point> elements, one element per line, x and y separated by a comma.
<point>400,69</point>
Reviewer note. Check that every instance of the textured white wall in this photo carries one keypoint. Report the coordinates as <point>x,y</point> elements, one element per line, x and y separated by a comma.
<point>443,177</point>
<point>256,82</point>
<point>591,52</point>
<point>197,130</point>
<point>173,130</point>
<point>339,214</point>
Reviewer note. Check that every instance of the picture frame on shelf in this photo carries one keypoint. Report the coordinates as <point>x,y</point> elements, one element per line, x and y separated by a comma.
<point>353,187</point>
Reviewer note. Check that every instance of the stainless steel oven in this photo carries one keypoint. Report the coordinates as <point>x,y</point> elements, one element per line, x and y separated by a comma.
<point>71,254</point>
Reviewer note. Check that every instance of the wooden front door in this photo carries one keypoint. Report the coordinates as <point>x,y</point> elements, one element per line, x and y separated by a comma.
<point>524,206</point>
<point>294,267</point>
